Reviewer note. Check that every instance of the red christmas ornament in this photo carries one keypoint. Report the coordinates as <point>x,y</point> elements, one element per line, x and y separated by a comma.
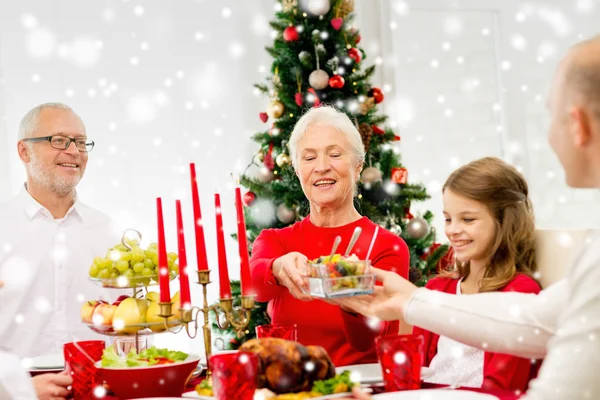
<point>357,39</point>
<point>290,34</point>
<point>248,198</point>
<point>396,138</point>
<point>336,82</point>
<point>377,130</point>
<point>268,159</point>
<point>337,23</point>
<point>407,214</point>
<point>299,99</point>
<point>376,94</point>
<point>263,116</point>
<point>317,100</point>
<point>399,175</point>
<point>355,54</point>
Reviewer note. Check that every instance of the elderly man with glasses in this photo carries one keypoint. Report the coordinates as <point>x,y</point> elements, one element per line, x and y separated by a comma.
<point>48,240</point>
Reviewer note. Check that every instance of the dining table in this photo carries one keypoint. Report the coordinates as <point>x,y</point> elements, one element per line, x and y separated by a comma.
<point>501,394</point>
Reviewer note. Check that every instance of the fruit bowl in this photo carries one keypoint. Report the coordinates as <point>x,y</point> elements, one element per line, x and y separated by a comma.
<point>124,282</point>
<point>135,329</point>
<point>338,276</point>
<point>331,288</point>
<point>162,380</point>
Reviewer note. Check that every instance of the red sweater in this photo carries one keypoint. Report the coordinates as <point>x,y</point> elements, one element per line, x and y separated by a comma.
<point>500,371</point>
<point>346,337</point>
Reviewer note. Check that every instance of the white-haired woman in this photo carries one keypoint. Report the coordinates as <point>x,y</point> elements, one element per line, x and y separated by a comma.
<point>328,154</point>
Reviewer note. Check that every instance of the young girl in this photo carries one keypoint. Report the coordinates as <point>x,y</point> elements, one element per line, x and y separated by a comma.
<point>490,225</point>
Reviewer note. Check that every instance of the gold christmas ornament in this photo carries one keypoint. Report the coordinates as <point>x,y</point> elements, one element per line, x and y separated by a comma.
<point>371,175</point>
<point>367,105</point>
<point>345,8</point>
<point>275,109</point>
<point>282,160</point>
<point>265,175</point>
<point>285,215</point>
<point>289,5</point>
<point>366,132</point>
<point>396,229</point>
<point>417,228</point>
<point>318,79</point>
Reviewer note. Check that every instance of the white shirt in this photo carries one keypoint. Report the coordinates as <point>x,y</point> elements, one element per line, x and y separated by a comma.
<point>456,363</point>
<point>561,324</point>
<point>15,382</point>
<point>44,264</point>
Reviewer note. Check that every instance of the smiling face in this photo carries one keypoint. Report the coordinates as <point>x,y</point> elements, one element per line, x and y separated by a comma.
<point>326,166</point>
<point>52,169</point>
<point>469,226</point>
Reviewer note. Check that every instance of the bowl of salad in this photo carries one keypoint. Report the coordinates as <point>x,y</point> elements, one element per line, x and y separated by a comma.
<point>339,276</point>
<point>153,372</point>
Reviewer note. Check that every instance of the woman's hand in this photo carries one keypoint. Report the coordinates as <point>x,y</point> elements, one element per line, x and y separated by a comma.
<point>288,270</point>
<point>387,302</point>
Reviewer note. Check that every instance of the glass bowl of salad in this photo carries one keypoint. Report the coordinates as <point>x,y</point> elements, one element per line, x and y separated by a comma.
<point>339,276</point>
<point>151,373</point>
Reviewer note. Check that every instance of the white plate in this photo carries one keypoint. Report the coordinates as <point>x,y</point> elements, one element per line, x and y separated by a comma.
<point>434,394</point>
<point>194,395</point>
<point>49,361</point>
<point>371,373</point>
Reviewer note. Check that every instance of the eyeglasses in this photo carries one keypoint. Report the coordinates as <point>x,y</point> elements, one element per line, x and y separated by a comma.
<point>63,142</point>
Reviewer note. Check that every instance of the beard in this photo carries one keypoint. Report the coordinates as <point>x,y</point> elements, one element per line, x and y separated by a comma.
<point>57,184</point>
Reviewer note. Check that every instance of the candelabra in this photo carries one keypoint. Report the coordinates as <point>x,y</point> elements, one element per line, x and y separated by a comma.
<point>238,317</point>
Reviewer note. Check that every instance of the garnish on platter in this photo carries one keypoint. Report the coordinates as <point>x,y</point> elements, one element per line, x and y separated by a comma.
<point>291,371</point>
<point>127,265</point>
<point>128,315</point>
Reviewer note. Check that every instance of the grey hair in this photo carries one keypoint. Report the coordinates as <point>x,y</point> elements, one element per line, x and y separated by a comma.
<point>330,116</point>
<point>583,76</point>
<point>30,120</point>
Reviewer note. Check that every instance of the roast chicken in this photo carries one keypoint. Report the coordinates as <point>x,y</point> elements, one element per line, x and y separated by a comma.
<point>286,366</point>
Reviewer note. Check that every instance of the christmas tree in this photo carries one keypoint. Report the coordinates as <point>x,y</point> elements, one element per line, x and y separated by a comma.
<point>317,60</point>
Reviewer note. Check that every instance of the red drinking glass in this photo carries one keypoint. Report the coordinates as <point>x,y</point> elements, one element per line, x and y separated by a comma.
<point>79,361</point>
<point>400,358</point>
<point>288,332</point>
<point>234,375</point>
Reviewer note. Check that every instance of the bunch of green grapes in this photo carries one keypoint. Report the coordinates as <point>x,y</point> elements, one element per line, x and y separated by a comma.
<point>137,264</point>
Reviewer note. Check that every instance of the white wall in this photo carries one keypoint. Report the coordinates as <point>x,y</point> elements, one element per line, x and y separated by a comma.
<point>160,84</point>
<point>469,78</point>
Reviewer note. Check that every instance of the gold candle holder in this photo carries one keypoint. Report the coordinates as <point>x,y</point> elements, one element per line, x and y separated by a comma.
<point>238,317</point>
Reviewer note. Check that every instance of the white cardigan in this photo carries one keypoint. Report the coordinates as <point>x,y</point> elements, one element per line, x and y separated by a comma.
<point>561,324</point>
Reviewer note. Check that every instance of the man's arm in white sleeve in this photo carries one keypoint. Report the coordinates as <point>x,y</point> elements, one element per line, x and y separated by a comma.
<point>571,368</point>
<point>513,323</point>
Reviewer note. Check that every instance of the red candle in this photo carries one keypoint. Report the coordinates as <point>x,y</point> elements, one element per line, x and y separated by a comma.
<point>223,273</point>
<point>184,281</point>
<point>243,245</point>
<point>163,265</point>
<point>198,228</point>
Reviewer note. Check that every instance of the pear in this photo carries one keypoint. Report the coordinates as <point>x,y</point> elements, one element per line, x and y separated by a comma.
<point>131,311</point>
<point>152,317</point>
<point>176,305</point>
<point>153,297</point>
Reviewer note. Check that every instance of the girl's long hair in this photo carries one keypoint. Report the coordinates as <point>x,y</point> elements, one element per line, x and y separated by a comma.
<point>503,190</point>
